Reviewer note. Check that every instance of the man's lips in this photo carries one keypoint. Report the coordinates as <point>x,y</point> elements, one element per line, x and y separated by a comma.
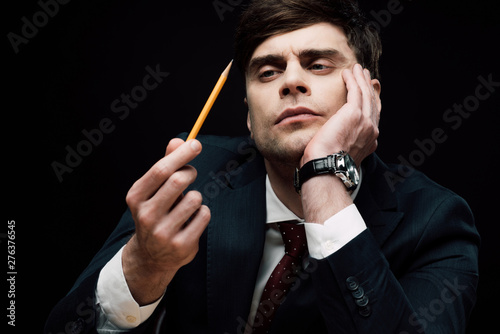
<point>295,114</point>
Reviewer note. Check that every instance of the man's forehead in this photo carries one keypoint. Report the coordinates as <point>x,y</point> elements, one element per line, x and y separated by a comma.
<point>319,36</point>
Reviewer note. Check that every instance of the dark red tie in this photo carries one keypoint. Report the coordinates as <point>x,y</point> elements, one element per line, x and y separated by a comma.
<point>283,276</point>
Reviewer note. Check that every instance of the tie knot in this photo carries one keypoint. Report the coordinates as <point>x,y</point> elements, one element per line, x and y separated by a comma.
<point>294,238</point>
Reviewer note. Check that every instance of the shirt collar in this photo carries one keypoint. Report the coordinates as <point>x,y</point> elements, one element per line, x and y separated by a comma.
<point>278,212</point>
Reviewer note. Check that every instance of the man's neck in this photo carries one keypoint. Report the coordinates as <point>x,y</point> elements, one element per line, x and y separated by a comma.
<point>281,178</point>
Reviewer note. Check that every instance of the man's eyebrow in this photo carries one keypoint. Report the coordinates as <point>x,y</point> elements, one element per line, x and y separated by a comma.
<point>323,53</point>
<point>258,62</point>
<point>333,54</point>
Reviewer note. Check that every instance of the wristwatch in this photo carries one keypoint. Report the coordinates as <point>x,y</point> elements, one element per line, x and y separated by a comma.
<point>340,164</point>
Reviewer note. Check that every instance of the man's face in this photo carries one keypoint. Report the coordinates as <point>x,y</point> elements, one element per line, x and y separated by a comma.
<point>294,85</point>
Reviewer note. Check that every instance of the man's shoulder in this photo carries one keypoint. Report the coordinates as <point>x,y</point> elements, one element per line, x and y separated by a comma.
<point>413,190</point>
<point>424,204</point>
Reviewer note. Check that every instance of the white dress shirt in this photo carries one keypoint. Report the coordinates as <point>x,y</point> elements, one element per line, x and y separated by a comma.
<point>119,311</point>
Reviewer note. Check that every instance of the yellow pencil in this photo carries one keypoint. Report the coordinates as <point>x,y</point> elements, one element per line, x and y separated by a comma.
<point>208,105</point>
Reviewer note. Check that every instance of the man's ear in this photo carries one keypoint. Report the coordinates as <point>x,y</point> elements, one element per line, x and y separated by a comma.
<point>377,88</point>
<point>249,120</point>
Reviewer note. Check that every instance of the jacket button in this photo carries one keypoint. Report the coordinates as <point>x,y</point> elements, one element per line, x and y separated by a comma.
<point>352,283</point>
<point>78,326</point>
<point>365,311</point>
<point>363,301</point>
<point>358,293</point>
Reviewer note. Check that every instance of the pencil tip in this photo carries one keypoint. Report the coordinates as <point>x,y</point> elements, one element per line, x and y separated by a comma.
<point>226,71</point>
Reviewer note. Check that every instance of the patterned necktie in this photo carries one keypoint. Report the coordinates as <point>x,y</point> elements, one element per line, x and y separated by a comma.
<point>283,276</point>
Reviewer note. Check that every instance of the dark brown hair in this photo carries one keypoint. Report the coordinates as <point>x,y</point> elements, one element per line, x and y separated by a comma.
<point>265,18</point>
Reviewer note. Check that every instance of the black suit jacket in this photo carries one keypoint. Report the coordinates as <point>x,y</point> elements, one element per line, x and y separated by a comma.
<point>414,270</point>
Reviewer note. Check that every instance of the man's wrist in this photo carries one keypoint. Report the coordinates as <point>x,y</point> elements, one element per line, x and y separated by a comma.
<point>323,196</point>
<point>310,156</point>
<point>339,164</point>
<point>338,230</point>
<point>146,285</point>
<point>116,302</point>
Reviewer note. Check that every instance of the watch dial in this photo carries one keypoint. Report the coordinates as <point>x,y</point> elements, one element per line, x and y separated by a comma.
<point>352,170</point>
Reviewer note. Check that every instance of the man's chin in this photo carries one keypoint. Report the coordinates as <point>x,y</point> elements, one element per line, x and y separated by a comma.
<point>284,151</point>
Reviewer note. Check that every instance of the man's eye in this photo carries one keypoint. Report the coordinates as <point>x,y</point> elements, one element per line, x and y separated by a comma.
<point>318,67</point>
<point>267,74</point>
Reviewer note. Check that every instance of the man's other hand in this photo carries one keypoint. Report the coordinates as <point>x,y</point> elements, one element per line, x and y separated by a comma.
<point>354,127</point>
<point>168,223</point>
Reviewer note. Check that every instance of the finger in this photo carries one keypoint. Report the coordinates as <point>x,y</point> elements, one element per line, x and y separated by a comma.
<point>366,89</point>
<point>188,238</point>
<point>368,81</point>
<point>199,222</point>
<point>187,207</point>
<point>173,145</point>
<point>353,90</point>
<point>170,193</point>
<point>373,101</point>
<point>147,185</point>
<point>375,93</point>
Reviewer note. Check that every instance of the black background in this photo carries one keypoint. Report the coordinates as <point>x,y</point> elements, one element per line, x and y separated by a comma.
<point>64,79</point>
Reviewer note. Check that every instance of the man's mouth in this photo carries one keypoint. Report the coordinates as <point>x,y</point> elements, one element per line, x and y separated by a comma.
<point>295,115</point>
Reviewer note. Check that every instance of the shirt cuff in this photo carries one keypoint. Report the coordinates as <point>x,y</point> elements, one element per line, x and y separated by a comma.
<point>337,231</point>
<point>115,299</point>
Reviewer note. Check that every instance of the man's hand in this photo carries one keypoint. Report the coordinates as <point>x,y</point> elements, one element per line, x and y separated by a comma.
<point>354,128</point>
<point>168,223</point>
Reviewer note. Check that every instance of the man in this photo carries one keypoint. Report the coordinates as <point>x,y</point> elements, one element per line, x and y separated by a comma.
<point>197,251</point>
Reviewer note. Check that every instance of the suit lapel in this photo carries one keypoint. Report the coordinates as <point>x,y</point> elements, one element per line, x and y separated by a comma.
<point>235,240</point>
<point>376,202</point>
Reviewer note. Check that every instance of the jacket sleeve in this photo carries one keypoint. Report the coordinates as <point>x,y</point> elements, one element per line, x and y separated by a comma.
<point>76,312</point>
<point>432,290</point>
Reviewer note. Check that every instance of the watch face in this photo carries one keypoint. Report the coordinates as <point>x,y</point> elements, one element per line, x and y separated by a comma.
<point>354,175</point>
<point>352,172</point>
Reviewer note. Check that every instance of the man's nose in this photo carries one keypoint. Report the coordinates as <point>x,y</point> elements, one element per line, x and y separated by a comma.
<point>294,82</point>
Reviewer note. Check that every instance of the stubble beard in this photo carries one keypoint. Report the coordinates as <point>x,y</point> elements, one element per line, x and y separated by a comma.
<point>285,150</point>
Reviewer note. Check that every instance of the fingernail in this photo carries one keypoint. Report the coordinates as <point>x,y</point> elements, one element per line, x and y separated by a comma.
<point>195,145</point>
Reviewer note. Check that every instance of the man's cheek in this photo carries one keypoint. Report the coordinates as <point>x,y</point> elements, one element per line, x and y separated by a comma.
<point>334,91</point>
<point>338,98</point>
